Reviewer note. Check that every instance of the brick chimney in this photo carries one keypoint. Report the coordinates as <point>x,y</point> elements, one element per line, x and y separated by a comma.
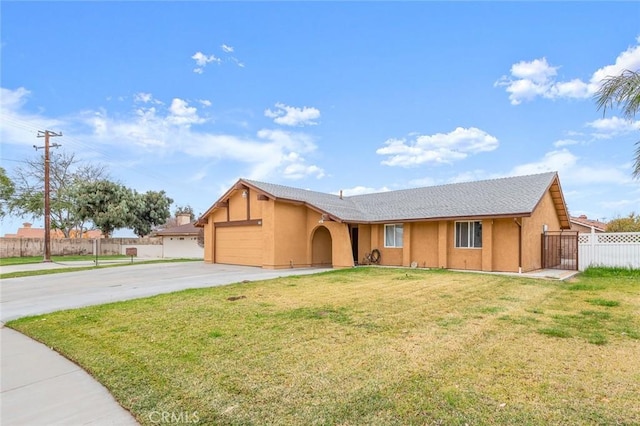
<point>183,218</point>
<point>26,225</point>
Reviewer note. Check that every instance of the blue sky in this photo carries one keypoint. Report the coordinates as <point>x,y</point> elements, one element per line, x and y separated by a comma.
<point>187,97</point>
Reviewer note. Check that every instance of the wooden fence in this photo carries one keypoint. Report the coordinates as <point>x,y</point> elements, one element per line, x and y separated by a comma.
<point>618,249</point>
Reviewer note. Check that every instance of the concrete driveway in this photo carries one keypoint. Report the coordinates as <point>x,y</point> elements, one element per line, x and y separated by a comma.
<point>38,386</point>
<point>20,297</point>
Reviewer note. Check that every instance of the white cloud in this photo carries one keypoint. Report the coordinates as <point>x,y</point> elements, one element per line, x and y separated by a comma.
<point>198,176</point>
<point>529,80</point>
<point>20,127</point>
<point>150,133</point>
<point>537,71</point>
<point>565,142</point>
<point>572,171</point>
<point>626,204</point>
<point>438,148</point>
<point>226,48</point>
<point>13,99</point>
<point>205,102</point>
<point>361,190</point>
<point>606,128</point>
<point>301,170</point>
<point>292,116</point>
<point>202,60</point>
<point>472,175</point>
<point>182,113</point>
<point>627,60</point>
<point>145,98</point>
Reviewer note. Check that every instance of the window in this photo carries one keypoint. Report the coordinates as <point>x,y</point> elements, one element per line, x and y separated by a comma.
<point>468,234</point>
<point>393,235</point>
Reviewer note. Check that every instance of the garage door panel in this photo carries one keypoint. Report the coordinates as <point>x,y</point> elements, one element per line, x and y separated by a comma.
<point>239,245</point>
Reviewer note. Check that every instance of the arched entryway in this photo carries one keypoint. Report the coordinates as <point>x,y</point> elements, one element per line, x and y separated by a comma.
<point>321,248</point>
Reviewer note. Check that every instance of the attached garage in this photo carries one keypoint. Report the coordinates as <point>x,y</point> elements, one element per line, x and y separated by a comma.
<point>239,245</point>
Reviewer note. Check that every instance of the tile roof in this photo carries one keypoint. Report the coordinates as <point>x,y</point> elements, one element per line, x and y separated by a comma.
<point>497,197</point>
<point>584,221</point>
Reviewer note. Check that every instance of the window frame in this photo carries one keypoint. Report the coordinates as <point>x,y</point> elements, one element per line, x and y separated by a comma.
<point>395,235</point>
<point>470,238</point>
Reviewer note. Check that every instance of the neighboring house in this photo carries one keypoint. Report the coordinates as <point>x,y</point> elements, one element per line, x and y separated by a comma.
<point>583,224</point>
<point>492,225</point>
<point>182,241</point>
<point>27,231</point>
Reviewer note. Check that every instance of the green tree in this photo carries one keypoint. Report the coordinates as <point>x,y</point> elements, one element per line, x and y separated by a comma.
<point>65,173</point>
<point>630,223</point>
<point>107,204</point>
<point>152,210</point>
<point>623,91</point>
<point>184,210</point>
<point>7,190</point>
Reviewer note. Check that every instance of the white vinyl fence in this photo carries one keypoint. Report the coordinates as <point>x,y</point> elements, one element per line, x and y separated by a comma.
<point>621,249</point>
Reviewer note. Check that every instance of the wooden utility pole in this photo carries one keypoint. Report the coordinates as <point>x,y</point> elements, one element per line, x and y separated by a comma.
<point>47,206</point>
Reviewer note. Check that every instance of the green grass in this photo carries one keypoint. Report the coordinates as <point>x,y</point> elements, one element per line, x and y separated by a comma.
<point>606,272</point>
<point>19,274</point>
<point>604,302</point>
<point>374,346</point>
<point>6,261</point>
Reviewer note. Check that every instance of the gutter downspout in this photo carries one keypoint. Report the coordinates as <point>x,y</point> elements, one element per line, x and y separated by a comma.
<point>519,245</point>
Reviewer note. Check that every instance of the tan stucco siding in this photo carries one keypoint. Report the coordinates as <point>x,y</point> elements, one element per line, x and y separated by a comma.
<point>290,230</point>
<point>342,255</point>
<point>255,205</point>
<point>424,244</point>
<point>268,233</point>
<point>239,245</point>
<point>364,242</point>
<point>461,258</point>
<point>219,215</point>
<point>208,241</point>
<point>389,256</point>
<point>238,206</point>
<point>544,214</point>
<point>321,247</point>
<point>505,245</point>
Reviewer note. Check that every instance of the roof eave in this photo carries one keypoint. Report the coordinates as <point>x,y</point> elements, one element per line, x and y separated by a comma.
<point>441,218</point>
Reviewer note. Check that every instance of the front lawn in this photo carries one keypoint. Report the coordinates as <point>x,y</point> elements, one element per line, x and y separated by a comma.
<point>367,346</point>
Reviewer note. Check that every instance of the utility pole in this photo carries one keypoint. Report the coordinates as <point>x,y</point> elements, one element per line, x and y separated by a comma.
<point>47,206</point>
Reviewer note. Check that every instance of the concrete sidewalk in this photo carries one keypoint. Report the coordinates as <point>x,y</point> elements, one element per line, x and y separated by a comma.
<point>70,264</point>
<point>39,386</point>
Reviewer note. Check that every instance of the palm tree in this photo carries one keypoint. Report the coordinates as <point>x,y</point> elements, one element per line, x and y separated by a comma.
<point>622,90</point>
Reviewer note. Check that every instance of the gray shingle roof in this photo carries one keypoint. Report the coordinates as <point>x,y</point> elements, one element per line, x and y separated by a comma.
<point>497,197</point>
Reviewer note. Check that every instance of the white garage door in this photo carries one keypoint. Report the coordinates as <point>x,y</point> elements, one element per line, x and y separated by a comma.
<point>239,245</point>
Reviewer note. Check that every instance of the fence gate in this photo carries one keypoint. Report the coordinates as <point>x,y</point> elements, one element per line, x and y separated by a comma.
<point>560,250</point>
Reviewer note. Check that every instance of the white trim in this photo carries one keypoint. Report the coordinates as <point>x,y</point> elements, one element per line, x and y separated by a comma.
<point>470,235</point>
<point>395,235</point>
